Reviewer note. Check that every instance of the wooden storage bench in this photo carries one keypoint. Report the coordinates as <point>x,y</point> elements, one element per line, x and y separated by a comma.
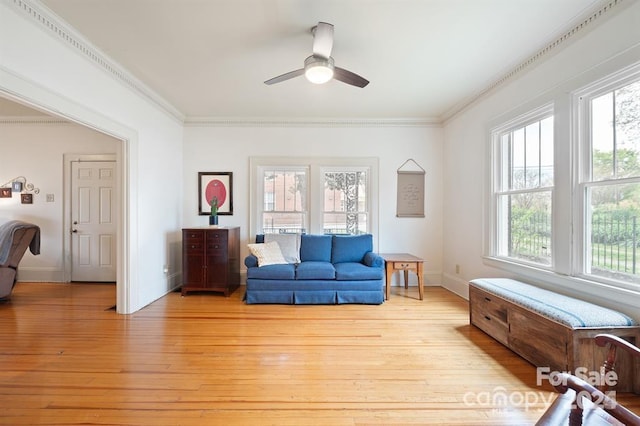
<point>552,330</point>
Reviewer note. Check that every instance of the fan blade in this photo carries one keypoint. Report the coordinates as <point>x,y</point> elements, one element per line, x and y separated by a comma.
<point>287,76</point>
<point>348,77</point>
<point>323,40</point>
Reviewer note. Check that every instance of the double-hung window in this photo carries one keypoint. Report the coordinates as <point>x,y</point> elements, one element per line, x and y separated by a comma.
<point>523,185</point>
<point>598,171</point>
<point>314,195</point>
<point>284,194</point>
<point>609,187</point>
<point>345,203</point>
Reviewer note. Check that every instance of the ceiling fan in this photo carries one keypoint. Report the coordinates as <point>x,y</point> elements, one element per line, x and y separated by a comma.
<point>319,67</point>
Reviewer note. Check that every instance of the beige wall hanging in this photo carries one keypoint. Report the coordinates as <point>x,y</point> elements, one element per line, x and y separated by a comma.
<point>410,191</point>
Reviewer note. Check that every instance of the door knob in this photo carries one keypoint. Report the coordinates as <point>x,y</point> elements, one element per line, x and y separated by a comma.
<point>74,230</point>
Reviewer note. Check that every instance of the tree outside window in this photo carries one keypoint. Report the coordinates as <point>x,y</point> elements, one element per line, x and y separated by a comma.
<point>345,202</point>
<point>613,192</point>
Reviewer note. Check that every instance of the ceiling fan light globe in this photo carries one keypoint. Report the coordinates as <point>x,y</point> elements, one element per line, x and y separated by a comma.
<point>318,74</point>
<point>318,70</point>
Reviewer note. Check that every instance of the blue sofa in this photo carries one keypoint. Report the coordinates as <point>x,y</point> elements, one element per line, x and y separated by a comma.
<point>333,269</point>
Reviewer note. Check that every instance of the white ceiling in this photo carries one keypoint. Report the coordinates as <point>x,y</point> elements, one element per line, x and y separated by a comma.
<point>425,58</point>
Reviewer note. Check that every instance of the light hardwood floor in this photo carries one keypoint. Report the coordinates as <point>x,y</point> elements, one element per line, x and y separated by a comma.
<point>204,359</point>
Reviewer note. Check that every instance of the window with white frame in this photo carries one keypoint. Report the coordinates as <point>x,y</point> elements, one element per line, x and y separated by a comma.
<point>570,206</point>
<point>345,201</point>
<point>609,187</point>
<point>314,195</point>
<point>523,184</point>
<point>284,207</point>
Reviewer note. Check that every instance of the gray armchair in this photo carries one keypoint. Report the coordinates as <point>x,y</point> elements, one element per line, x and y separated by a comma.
<point>15,237</point>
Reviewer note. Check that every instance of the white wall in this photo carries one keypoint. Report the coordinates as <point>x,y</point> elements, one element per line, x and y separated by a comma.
<point>158,173</point>
<point>223,149</point>
<point>612,45</point>
<point>42,64</point>
<point>36,151</point>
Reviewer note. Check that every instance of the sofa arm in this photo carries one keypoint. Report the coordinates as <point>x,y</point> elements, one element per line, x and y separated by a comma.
<point>251,261</point>
<point>373,260</point>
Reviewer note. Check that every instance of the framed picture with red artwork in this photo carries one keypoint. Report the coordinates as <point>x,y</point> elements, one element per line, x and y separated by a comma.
<point>215,184</point>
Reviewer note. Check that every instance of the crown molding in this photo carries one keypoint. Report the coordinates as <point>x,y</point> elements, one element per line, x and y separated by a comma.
<point>54,25</point>
<point>32,119</point>
<point>309,122</point>
<point>581,26</point>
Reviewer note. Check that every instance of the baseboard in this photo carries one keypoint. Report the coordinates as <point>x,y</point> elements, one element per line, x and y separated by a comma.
<point>174,281</point>
<point>456,285</point>
<point>35,274</point>
<point>431,279</point>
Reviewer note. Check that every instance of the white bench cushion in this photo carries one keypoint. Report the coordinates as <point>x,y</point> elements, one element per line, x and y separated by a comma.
<point>566,310</point>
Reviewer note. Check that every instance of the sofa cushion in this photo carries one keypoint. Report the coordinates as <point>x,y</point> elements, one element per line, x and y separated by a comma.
<point>267,253</point>
<point>357,271</point>
<point>286,271</point>
<point>315,248</point>
<point>350,248</point>
<point>311,270</point>
<point>289,245</point>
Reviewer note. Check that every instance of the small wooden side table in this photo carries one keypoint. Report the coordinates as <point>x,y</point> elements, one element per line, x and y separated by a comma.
<point>403,262</point>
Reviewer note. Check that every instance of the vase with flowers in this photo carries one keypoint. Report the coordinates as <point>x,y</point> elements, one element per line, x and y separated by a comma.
<point>213,217</point>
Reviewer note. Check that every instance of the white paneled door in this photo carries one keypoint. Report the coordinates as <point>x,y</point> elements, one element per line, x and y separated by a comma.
<point>93,227</point>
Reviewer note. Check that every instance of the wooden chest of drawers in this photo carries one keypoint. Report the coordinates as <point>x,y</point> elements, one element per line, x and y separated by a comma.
<point>211,259</point>
<point>546,343</point>
<point>490,314</point>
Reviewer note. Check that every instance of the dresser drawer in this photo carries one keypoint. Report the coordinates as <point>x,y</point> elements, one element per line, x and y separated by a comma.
<point>216,237</point>
<point>403,266</point>
<point>491,305</point>
<point>193,235</point>
<point>490,314</point>
<point>491,325</point>
<point>193,246</point>
<point>216,248</point>
<point>193,241</point>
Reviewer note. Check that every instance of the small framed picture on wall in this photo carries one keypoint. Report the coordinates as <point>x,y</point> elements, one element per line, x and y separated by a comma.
<point>27,198</point>
<point>5,192</point>
<point>218,185</point>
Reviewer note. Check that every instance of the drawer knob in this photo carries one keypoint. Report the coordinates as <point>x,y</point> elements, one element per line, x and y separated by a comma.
<point>487,299</point>
<point>487,318</point>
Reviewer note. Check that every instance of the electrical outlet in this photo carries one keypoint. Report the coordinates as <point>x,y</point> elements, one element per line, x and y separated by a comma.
<point>457,268</point>
<point>49,198</point>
